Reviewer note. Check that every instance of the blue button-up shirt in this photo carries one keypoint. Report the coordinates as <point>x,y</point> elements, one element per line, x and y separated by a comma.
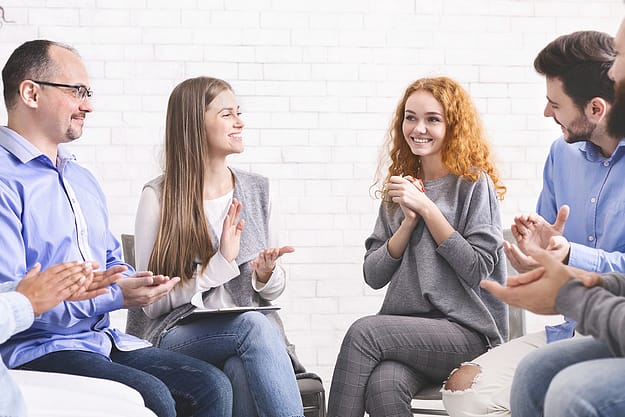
<point>592,186</point>
<point>52,214</point>
<point>16,314</point>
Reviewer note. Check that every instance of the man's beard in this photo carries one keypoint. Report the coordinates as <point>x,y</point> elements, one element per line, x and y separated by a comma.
<point>616,117</point>
<point>580,130</point>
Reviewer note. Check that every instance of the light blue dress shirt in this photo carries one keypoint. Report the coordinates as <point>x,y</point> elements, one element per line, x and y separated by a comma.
<point>16,314</point>
<point>52,214</point>
<point>593,187</point>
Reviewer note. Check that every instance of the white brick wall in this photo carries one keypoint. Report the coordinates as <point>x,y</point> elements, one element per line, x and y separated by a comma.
<point>318,82</point>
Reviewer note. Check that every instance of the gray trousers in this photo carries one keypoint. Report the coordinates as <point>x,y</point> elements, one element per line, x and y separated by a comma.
<point>385,360</point>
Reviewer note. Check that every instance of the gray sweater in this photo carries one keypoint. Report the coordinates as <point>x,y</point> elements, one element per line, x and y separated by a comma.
<point>433,280</point>
<point>599,312</point>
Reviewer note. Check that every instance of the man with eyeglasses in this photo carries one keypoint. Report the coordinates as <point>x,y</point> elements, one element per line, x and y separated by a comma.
<point>52,211</point>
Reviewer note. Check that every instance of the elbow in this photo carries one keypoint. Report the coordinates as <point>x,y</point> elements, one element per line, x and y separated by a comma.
<point>375,284</point>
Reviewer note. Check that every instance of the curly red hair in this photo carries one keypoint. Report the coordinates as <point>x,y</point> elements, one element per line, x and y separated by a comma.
<point>466,152</point>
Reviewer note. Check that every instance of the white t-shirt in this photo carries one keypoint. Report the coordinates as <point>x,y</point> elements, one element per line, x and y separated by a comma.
<point>218,271</point>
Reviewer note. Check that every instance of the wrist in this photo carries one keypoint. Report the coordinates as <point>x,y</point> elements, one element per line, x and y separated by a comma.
<point>565,261</point>
<point>263,276</point>
<point>226,256</point>
<point>410,222</point>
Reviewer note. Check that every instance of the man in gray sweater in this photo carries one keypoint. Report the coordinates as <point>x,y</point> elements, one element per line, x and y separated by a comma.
<point>581,376</point>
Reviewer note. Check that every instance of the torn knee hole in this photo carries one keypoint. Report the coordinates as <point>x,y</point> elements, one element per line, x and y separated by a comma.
<point>463,378</point>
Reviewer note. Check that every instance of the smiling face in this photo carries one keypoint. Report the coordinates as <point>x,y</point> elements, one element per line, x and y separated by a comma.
<point>224,125</point>
<point>574,124</point>
<point>617,70</point>
<point>62,114</point>
<point>616,121</point>
<point>424,125</point>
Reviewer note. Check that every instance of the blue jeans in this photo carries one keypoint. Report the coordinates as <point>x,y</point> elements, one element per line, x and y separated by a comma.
<point>252,352</point>
<point>573,378</point>
<point>171,384</point>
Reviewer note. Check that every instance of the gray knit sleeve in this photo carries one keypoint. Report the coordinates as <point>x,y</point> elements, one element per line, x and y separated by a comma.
<point>475,248</point>
<point>379,266</point>
<point>598,312</point>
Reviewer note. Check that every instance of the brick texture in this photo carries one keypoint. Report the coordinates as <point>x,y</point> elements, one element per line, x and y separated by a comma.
<point>318,82</point>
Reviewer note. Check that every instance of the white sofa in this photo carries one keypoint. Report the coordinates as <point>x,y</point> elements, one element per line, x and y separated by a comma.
<point>59,395</point>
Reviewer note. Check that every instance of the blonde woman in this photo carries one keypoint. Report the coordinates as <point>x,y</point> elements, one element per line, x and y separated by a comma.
<point>209,224</point>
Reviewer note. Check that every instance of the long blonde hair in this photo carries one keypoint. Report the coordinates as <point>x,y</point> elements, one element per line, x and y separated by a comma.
<point>465,153</point>
<point>183,237</point>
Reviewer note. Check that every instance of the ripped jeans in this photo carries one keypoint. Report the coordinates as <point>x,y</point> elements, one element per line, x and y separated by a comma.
<point>489,393</point>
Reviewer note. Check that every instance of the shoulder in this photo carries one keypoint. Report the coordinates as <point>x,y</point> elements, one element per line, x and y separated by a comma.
<point>154,184</point>
<point>249,178</point>
<point>482,188</point>
<point>561,149</point>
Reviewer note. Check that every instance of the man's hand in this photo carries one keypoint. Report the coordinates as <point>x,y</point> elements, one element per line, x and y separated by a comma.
<point>519,261</point>
<point>99,282</point>
<point>536,290</point>
<point>59,282</point>
<point>144,288</point>
<point>265,262</point>
<point>532,232</point>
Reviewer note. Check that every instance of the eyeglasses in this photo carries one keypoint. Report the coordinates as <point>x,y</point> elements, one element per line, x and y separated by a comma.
<point>80,91</point>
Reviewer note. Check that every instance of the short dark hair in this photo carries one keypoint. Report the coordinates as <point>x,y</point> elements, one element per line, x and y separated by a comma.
<point>30,61</point>
<point>581,60</point>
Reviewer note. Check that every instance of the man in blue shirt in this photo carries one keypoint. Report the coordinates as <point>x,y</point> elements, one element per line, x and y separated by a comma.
<point>51,211</point>
<point>582,172</point>
<point>37,292</point>
<point>583,376</point>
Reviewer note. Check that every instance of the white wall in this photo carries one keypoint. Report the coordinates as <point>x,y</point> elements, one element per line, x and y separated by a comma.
<point>318,81</point>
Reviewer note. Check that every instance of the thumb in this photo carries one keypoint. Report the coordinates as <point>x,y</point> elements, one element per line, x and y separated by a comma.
<point>33,271</point>
<point>285,249</point>
<point>493,287</point>
<point>563,215</point>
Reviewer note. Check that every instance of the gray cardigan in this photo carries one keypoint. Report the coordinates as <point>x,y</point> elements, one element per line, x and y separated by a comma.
<point>252,191</point>
<point>434,280</point>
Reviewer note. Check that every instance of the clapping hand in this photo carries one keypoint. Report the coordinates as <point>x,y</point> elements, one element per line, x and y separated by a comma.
<point>408,193</point>
<point>144,288</point>
<point>230,242</point>
<point>538,289</point>
<point>265,262</point>
<point>532,232</point>
<point>64,281</point>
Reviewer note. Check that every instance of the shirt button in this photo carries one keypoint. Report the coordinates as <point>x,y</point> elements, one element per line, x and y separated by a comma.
<point>606,164</point>
<point>591,238</point>
<point>593,200</point>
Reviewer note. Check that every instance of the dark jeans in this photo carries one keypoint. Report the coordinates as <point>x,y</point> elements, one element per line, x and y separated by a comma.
<point>172,384</point>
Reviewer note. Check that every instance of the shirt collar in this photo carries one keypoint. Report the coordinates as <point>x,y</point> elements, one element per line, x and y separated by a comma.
<point>593,154</point>
<point>25,151</point>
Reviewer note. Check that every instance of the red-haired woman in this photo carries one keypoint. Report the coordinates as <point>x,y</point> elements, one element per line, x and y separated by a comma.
<point>438,234</point>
